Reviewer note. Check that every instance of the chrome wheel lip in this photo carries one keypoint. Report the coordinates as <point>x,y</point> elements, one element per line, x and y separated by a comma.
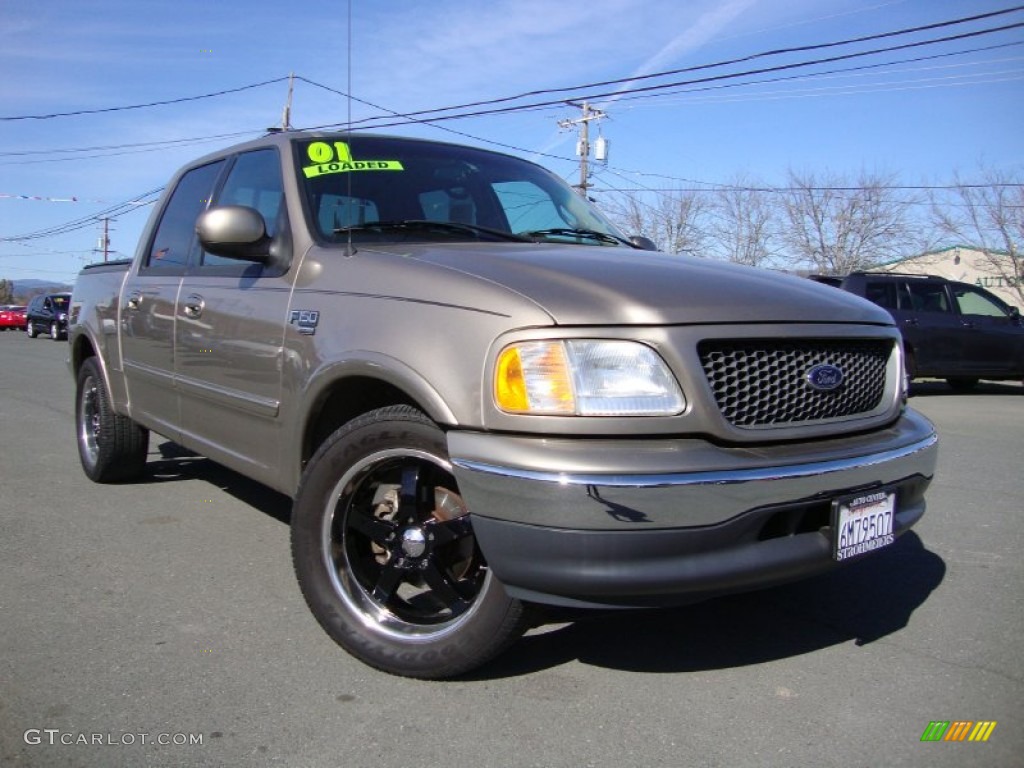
<point>88,421</point>
<point>356,598</point>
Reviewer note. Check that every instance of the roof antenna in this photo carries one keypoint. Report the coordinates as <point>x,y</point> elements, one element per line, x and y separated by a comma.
<point>350,248</point>
<point>286,116</point>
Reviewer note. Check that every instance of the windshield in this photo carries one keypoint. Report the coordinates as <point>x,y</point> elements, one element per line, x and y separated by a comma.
<point>379,189</point>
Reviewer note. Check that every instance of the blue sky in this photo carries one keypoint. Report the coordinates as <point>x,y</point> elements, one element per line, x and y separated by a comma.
<point>922,120</point>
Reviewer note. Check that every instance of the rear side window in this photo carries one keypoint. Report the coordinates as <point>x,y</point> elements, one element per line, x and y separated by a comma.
<point>176,233</point>
<point>928,297</point>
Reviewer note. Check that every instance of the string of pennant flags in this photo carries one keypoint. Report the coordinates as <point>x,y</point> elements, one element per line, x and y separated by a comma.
<point>44,199</point>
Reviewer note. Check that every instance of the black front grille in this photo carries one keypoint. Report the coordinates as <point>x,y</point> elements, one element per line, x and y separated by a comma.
<point>763,382</point>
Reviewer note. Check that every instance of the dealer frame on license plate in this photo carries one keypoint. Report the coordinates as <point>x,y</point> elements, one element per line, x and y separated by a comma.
<point>862,523</point>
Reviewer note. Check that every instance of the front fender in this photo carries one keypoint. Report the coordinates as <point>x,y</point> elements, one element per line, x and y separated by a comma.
<point>373,369</point>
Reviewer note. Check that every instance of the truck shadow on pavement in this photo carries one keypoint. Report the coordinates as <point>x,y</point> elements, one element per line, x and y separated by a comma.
<point>862,602</point>
<point>174,464</point>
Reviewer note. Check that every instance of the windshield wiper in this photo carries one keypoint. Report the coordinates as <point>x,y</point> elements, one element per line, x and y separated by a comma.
<point>583,234</point>
<point>427,224</point>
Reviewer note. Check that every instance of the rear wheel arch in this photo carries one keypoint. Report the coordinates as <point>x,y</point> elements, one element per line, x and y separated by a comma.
<point>81,350</point>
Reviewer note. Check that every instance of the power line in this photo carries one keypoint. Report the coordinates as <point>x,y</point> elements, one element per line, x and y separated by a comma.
<point>453,131</point>
<point>140,144</point>
<point>740,60</point>
<point>143,106</point>
<point>714,188</point>
<point>825,73</point>
<point>663,86</point>
<point>625,95</point>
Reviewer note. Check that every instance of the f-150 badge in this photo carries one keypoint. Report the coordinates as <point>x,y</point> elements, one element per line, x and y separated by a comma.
<point>305,320</point>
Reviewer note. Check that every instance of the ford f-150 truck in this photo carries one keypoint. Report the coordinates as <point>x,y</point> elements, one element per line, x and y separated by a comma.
<point>482,397</point>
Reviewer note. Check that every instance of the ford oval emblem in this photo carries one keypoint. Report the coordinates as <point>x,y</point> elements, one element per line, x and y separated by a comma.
<point>825,377</point>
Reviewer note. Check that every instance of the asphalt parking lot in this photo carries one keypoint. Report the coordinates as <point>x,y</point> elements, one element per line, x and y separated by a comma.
<point>138,620</point>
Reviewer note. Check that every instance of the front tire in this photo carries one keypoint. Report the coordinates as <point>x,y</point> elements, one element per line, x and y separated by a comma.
<point>385,555</point>
<point>30,329</point>
<point>111,447</point>
<point>55,333</point>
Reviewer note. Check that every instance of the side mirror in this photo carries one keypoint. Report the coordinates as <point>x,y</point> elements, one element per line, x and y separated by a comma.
<point>643,243</point>
<point>234,232</point>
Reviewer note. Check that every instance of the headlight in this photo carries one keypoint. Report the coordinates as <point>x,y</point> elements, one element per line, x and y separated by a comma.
<point>585,378</point>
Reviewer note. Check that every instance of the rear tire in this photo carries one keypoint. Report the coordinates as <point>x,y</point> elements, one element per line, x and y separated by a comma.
<point>30,329</point>
<point>385,555</point>
<point>111,447</point>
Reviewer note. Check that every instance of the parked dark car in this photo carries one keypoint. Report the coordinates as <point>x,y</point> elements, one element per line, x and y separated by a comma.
<point>12,318</point>
<point>48,314</point>
<point>953,331</point>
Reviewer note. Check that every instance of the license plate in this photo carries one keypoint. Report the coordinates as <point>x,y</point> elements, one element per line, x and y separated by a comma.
<point>863,524</point>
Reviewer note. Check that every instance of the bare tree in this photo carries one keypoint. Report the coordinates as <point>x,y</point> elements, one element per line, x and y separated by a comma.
<point>744,229</point>
<point>837,226</point>
<point>6,292</point>
<point>674,220</point>
<point>988,217</point>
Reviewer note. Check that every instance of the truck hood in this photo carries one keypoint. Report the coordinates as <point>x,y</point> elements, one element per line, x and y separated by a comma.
<point>598,285</point>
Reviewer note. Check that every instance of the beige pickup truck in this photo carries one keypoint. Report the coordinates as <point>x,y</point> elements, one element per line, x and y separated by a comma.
<point>483,398</point>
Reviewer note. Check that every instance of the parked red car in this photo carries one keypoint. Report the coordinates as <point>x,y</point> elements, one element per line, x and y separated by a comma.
<point>12,318</point>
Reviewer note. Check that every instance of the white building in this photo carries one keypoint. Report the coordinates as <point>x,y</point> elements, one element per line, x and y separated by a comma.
<point>966,265</point>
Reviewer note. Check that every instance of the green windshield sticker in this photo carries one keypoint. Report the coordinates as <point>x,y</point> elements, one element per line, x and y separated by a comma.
<point>338,159</point>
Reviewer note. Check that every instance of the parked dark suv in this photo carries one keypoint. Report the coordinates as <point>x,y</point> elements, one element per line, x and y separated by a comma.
<point>48,314</point>
<point>953,331</point>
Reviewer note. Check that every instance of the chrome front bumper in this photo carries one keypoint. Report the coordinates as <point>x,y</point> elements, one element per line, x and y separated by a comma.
<point>637,522</point>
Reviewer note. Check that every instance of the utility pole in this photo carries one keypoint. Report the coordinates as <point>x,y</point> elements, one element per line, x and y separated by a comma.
<point>286,116</point>
<point>583,146</point>
<point>103,244</point>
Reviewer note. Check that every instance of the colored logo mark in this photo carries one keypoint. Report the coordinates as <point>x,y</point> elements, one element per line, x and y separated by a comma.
<point>825,377</point>
<point>338,159</point>
<point>958,730</point>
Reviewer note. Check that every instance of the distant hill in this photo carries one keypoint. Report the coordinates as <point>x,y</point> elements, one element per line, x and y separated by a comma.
<point>26,289</point>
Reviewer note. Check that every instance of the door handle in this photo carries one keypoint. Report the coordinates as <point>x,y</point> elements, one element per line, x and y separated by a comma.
<point>910,321</point>
<point>134,301</point>
<point>194,305</point>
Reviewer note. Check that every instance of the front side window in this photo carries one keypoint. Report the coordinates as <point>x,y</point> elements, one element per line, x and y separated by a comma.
<point>882,293</point>
<point>176,233</point>
<point>972,301</point>
<point>253,181</point>
<point>380,189</point>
